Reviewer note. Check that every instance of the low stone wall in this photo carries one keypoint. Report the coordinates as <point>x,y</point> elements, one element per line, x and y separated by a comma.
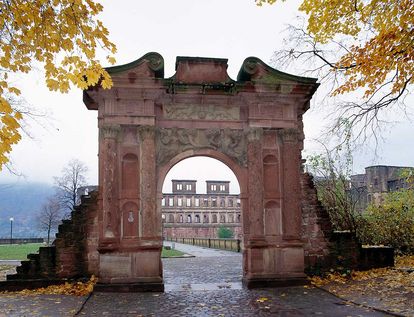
<point>222,244</point>
<point>375,257</point>
<point>199,231</point>
<point>21,240</point>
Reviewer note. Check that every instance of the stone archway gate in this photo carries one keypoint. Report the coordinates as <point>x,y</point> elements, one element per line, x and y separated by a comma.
<point>147,123</point>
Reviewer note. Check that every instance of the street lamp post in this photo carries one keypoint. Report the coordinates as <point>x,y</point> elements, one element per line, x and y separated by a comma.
<point>11,230</point>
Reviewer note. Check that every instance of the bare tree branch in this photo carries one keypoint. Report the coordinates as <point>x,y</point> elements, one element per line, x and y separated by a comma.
<point>73,177</point>
<point>363,114</point>
<point>49,216</point>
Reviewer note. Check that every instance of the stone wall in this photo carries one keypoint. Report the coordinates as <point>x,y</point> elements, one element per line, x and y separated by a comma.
<point>77,241</point>
<point>316,227</point>
<point>326,249</point>
<point>73,254</point>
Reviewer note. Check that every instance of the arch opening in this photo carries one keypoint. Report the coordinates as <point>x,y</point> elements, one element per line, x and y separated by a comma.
<point>200,194</point>
<point>201,205</point>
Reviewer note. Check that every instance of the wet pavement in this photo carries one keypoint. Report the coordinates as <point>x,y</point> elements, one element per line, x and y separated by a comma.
<point>292,301</point>
<point>40,305</point>
<point>208,266</point>
<point>206,285</point>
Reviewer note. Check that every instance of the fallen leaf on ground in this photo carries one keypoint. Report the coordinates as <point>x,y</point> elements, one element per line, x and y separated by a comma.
<point>75,288</point>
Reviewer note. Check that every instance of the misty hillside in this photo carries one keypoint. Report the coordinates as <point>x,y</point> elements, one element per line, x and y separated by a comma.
<point>21,201</point>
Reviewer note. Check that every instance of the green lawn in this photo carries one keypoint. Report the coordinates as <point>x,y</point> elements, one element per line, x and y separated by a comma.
<point>18,251</point>
<point>171,253</point>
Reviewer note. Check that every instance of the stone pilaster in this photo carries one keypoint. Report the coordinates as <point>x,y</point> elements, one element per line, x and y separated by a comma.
<point>255,182</point>
<point>150,220</point>
<point>110,217</point>
<point>291,184</point>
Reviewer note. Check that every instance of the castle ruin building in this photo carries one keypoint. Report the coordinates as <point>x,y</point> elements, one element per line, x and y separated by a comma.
<point>188,214</point>
<point>377,181</point>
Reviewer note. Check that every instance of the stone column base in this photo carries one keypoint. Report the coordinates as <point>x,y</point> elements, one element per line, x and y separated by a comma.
<point>134,271</point>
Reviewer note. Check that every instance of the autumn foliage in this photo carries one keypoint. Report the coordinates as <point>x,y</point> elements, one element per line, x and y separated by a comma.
<point>68,288</point>
<point>60,35</point>
<point>382,31</point>
<point>388,289</point>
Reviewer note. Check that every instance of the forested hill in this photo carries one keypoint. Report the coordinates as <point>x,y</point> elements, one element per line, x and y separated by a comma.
<point>22,201</point>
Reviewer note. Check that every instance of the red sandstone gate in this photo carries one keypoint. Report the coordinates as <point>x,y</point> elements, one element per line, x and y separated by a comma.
<point>148,123</point>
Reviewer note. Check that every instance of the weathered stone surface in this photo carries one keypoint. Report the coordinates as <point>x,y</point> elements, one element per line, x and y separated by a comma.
<point>254,125</point>
<point>73,253</point>
<point>171,142</point>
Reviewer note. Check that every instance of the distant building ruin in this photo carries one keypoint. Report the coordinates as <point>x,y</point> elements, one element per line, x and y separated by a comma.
<point>378,180</point>
<point>187,214</point>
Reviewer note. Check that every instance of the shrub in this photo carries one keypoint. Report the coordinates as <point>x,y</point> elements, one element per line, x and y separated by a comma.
<point>225,233</point>
<point>390,223</point>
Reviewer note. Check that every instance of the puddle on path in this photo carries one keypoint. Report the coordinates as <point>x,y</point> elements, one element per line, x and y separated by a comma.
<point>202,286</point>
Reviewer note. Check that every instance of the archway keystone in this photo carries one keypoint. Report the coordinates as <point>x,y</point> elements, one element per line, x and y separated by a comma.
<point>148,123</point>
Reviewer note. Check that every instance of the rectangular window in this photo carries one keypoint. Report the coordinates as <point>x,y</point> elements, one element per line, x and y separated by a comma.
<point>171,201</point>
<point>179,202</point>
<point>205,202</point>
<point>213,187</point>
<point>179,186</point>
<point>213,202</point>
<point>163,202</point>
<point>238,202</point>
<point>188,202</point>
<point>197,202</point>
<point>222,188</point>
<point>188,187</point>
<point>230,202</point>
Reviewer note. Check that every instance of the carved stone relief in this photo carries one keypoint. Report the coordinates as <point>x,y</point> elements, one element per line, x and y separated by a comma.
<point>146,132</point>
<point>110,131</point>
<point>171,142</point>
<point>289,135</point>
<point>200,112</point>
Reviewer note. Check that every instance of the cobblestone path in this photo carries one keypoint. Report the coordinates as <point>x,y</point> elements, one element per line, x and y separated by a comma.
<point>210,285</point>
